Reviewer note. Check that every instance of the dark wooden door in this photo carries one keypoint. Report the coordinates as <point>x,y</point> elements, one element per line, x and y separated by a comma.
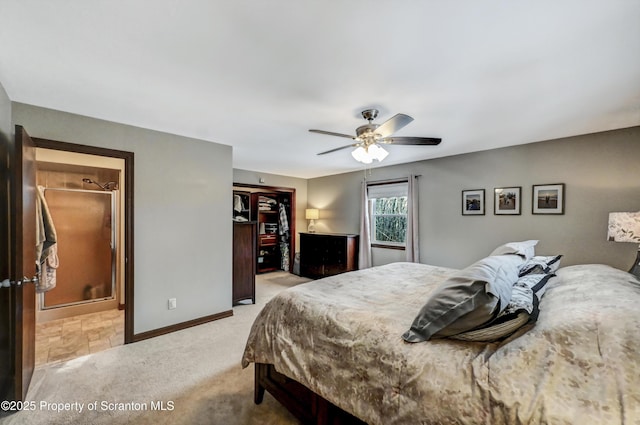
<point>19,324</point>
<point>244,261</point>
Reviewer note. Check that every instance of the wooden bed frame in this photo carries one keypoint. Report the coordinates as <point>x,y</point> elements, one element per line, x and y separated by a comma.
<point>304,404</point>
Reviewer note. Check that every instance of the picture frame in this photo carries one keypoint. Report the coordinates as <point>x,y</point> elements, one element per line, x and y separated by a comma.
<point>473,202</point>
<point>507,200</point>
<point>547,199</point>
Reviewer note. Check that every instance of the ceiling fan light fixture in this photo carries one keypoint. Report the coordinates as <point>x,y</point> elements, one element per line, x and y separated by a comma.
<point>378,152</point>
<point>360,154</point>
<point>366,155</point>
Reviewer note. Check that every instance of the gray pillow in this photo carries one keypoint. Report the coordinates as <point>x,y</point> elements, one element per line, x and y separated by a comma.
<point>468,299</point>
<point>522,309</point>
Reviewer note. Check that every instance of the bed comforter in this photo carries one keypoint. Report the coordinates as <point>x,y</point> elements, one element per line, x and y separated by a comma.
<point>341,338</point>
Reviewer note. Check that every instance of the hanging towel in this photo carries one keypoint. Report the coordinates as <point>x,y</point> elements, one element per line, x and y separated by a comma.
<point>284,256</point>
<point>283,229</point>
<point>237,203</point>
<point>46,245</point>
<point>47,276</point>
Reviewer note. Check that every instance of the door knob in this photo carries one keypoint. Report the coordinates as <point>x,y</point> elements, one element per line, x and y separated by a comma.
<point>25,279</point>
<point>7,283</point>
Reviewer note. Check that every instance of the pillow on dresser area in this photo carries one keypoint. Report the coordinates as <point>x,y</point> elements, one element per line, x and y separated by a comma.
<point>468,299</point>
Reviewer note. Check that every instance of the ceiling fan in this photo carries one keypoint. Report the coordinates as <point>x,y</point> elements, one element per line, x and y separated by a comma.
<point>369,137</point>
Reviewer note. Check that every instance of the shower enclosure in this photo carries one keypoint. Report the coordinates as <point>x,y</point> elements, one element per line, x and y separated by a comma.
<point>86,231</point>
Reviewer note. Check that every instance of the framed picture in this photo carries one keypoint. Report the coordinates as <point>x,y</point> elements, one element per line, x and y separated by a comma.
<point>507,200</point>
<point>548,199</point>
<point>473,202</point>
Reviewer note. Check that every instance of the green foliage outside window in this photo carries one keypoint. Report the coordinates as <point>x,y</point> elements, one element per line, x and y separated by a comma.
<point>390,219</point>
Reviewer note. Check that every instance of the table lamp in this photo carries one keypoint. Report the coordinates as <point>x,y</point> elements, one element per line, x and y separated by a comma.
<point>311,214</point>
<point>625,227</point>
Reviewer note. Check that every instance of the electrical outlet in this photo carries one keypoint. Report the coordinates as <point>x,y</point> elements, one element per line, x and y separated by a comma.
<point>172,303</point>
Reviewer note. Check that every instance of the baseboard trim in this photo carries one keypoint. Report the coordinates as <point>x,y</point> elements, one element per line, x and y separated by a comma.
<point>179,326</point>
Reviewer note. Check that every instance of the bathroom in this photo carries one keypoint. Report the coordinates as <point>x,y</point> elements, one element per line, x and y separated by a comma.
<point>84,311</point>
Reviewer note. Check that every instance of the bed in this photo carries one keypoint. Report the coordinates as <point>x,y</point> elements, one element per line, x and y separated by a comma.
<point>333,349</point>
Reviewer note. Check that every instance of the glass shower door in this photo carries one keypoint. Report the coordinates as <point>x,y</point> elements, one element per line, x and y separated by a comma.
<point>86,245</point>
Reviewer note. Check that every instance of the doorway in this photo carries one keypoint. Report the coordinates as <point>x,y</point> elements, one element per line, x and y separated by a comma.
<point>90,165</point>
<point>18,295</point>
<point>83,312</point>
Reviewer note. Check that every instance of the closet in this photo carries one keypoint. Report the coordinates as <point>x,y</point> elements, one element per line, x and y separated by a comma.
<point>272,211</point>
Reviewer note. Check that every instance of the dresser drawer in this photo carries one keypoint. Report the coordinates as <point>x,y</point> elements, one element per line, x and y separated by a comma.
<point>327,254</point>
<point>269,239</point>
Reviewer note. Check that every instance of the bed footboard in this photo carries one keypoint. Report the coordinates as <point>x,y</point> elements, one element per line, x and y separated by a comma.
<point>303,403</point>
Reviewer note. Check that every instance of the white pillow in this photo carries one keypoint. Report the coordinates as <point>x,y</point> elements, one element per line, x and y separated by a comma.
<point>526,249</point>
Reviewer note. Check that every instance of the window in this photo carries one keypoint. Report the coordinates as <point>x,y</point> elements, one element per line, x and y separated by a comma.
<point>388,203</point>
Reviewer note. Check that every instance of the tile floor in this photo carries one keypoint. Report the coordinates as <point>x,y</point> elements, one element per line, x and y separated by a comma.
<point>65,339</point>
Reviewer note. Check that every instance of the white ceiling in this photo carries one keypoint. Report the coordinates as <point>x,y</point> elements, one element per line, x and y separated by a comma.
<point>257,75</point>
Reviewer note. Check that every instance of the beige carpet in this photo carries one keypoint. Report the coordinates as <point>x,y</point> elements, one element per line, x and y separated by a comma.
<point>193,374</point>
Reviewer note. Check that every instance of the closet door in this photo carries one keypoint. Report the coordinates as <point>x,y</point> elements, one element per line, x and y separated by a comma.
<point>244,261</point>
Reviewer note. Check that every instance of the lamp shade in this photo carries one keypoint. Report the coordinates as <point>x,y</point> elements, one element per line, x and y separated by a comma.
<point>624,227</point>
<point>311,214</point>
<point>378,152</point>
<point>368,153</point>
<point>360,154</point>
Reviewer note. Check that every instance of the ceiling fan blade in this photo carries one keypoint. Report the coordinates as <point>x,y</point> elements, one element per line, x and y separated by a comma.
<point>331,133</point>
<point>393,124</point>
<point>337,149</point>
<point>428,141</point>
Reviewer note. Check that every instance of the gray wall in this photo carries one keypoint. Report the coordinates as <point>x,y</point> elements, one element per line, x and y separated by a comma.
<point>182,230</point>
<point>600,171</point>
<point>300,185</point>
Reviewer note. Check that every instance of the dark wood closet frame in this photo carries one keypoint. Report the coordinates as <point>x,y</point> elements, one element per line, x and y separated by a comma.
<point>129,336</point>
<point>292,223</point>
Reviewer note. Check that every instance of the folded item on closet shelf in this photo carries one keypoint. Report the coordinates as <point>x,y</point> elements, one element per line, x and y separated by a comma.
<point>266,200</point>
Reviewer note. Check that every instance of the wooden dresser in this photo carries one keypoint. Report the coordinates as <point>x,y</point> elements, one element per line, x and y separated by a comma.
<point>244,261</point>
<point>327,254</point>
